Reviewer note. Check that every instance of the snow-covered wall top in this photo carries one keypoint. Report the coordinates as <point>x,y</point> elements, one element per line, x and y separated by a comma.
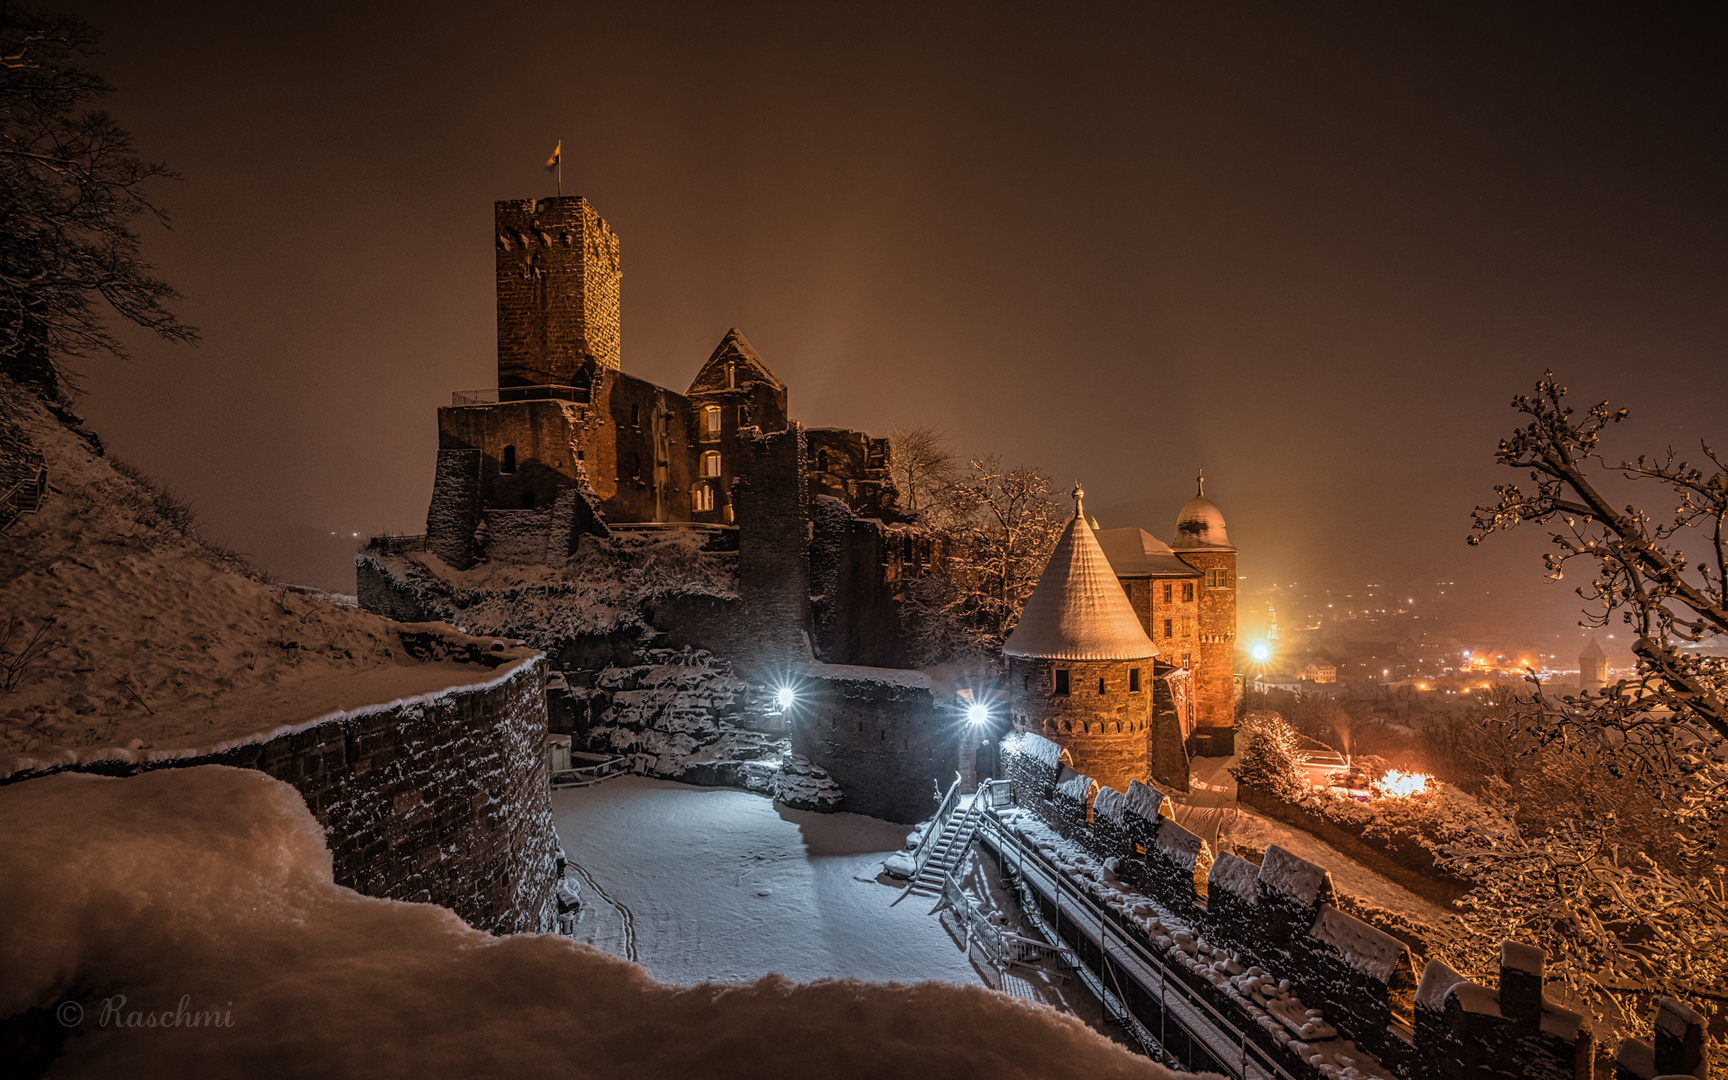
<point>1369,951</point>
<point>1036,747</point>
<point>1294,877</point>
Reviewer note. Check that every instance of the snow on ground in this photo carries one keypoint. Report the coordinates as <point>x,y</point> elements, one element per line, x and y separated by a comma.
<point>184,923</point>
<point>1211,808</point>
<point>149,637</point>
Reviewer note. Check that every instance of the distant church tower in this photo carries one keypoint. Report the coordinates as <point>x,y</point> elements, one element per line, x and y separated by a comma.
<point>1592,667</point>
<point>1079,664</point>
<point>1202,543</point>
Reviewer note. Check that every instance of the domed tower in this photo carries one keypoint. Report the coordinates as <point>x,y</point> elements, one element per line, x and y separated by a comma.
<point>1202,543</point>
<point>1079,665</point>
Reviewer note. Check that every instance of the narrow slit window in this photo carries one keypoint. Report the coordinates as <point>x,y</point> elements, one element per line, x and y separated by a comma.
<point>1100,686</point>
<point>1133,680</point>
<point>701,498</point>
<point>507,463</point>
<point>635,416</point>
<point>1062,681</point>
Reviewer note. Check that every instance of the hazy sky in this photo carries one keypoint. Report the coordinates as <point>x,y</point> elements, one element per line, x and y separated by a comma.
<point>1315,248</point>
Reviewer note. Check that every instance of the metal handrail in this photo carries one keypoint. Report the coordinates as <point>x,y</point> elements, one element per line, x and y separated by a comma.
<point>492,395</point>
<point>26,495</point>
<point>1247,1046</point>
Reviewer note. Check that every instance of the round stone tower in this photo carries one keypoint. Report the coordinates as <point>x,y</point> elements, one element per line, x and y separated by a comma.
<point>1202,543</point>
<point>1079,663</point>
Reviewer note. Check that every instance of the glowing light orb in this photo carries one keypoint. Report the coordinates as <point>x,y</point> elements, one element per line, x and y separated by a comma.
<point>977,713</point>
<point>784,697</point>
<point>1401,785</point>
<point>1261,652</point>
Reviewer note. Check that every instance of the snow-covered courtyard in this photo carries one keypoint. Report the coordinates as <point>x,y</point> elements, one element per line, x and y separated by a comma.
<point>711,884</point>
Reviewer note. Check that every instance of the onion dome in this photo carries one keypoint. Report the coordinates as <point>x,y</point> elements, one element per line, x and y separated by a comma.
<point>1200,525</point>
<point>1079,611</point>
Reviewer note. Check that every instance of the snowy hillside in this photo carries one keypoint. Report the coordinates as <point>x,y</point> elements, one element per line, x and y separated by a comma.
<point>123,629</point>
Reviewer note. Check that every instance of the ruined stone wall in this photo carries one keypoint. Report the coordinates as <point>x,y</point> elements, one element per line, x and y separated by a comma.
<point>441,799</point>
<point>882,737</point>
<point>1106,734</point>
<point>853,467</point>
<point>558,290</point>
<point>853,578</point>
<point>1167,732</point>
<point>774,546</point>
<point>454,512</point>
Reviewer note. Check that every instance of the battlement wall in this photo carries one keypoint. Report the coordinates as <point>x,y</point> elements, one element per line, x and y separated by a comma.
<point>1280,917</point>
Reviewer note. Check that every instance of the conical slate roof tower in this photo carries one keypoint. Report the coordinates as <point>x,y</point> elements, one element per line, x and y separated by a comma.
<point>1078,610</point>
<point>1079,663</point>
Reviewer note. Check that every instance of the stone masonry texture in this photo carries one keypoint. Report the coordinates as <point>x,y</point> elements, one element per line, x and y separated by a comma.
<point>558,290</point>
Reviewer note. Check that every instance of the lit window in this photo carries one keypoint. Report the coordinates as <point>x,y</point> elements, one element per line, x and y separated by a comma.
<point>710,464</point>
<point>1133,680</point>
<point>1187,592</point>
<point>701,498</point>
<point>1187,626</point>
<point>507,464</point>
<point>1219,579</point>
<point>1062,681</point>
<point>710,421</point>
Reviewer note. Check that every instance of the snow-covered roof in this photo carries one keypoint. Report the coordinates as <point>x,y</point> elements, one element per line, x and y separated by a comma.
<point>1134,552</point>
<point>733,349</point>
<point>1593,651</point>
<point>1296,878</point>
<point>1373,953</point>
<point>1200,525</point>
<point>1079,611</point>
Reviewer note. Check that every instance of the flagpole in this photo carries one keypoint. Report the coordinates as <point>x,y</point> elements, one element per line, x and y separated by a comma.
<point>560,168</point>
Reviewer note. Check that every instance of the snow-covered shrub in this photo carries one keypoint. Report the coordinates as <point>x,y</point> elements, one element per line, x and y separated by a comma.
<point>1268,757</point>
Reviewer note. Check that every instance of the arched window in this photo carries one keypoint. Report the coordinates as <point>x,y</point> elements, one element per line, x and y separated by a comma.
<point>507,463</point>
<point>701,498</point>
<point>710,422</point>
<point>710,464</point>
<point>822,461</point>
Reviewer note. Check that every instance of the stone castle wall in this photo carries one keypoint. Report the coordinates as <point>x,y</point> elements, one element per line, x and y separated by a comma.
<point>1215,660</point>
<point>881,735</point>
<point>1105,734</point>
<point>443,798</point>
<point>1279,916</point>
<point>558,290</point>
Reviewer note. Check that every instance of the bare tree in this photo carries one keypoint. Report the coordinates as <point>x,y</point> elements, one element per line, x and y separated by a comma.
<point>1009,523</point>
<point>922,465</point>
<point>1624,912</point>
<point>70,186</point>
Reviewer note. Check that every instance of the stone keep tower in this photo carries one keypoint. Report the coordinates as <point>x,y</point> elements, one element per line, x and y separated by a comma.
<point>1202,543</point>
<point>1080,666</point>
<point>1592,667</point>
<point>558,284</point>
